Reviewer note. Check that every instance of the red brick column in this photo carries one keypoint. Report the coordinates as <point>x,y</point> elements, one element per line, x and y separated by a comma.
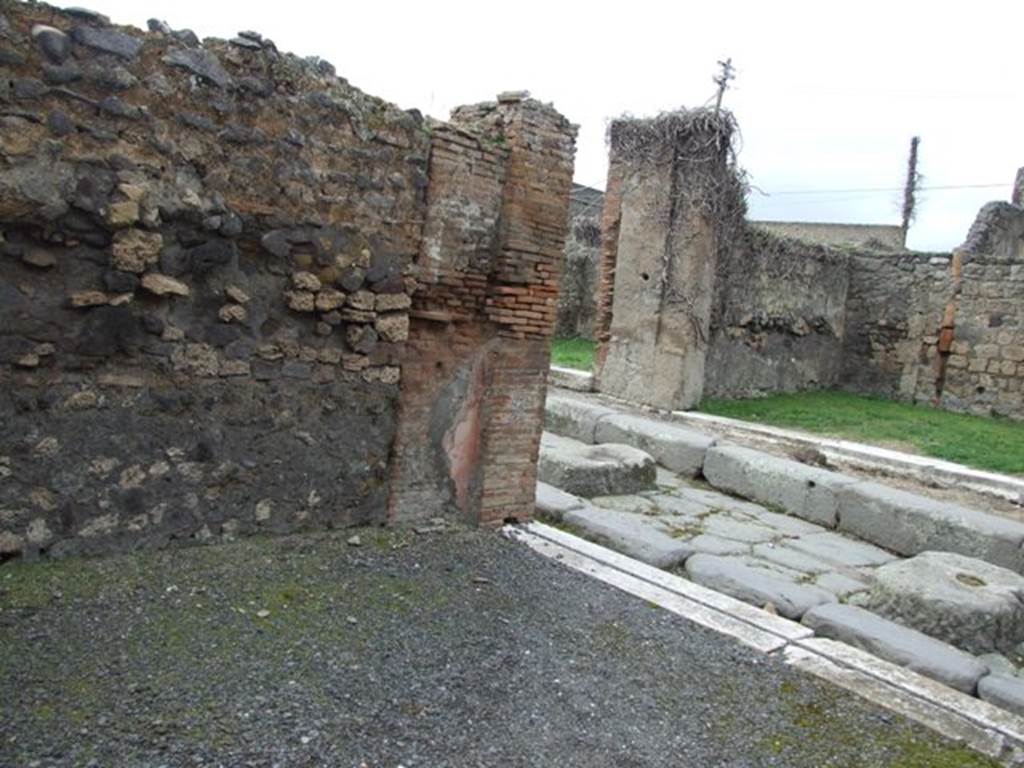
<point>475,376</point>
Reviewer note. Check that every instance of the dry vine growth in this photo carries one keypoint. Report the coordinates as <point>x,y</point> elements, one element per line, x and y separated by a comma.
<point>706,184</point>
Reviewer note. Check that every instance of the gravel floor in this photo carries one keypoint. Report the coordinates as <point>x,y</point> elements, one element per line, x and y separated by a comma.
<point>451,649</point>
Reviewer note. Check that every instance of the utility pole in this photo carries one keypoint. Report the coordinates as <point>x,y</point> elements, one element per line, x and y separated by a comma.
<point>910,188</point>
<point>722,81</point>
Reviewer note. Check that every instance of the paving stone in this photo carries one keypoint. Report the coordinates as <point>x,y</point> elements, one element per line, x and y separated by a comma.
<point>680,505</point>
<point>573,417</point>
<point>808,492</point>
<point>755,585</point>
<point>552,503</point>
<point>910,524</point>
<point>715,545</point>
<point>639,505</point>
<point>775,569</point>
<point>681,528</point>
<point>593,470</point>
<point>900,645</point>
<point>786,556</point>
<point>967,602</point>
<point>785,525</point>
<point>729,528</point>
<point>678,448</point>
<point>632,535</point>
<point>1003,691</point>
<point>834,548</point>
<point>840,584</point>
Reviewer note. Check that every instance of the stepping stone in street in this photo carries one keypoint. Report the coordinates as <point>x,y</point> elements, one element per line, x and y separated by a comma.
<point>679,448</point>
<point>573,416</point>
<point>593,470</point>
<point>633,535</point>
<point>841,550</point>
<point>898,644</point>
<point>967,602</point>
<point>755,585</point>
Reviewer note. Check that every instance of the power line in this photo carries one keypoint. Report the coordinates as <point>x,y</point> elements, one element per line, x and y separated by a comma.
<point>878,189</point>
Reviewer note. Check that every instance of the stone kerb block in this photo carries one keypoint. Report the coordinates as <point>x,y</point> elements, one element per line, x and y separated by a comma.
<point>553,503</point>
<point>1003,691</point>
<point>900,645</point>
<point>806,492</point>
<point>573,417</point>
<point>594,470</point>
<point>974,605</point>
<point>910,524</point>
<point>680,449</point>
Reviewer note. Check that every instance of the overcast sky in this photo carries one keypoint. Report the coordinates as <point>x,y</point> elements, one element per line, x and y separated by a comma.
<point>827,95</point>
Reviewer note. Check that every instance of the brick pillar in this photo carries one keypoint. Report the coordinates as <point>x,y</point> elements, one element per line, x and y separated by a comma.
<point>475,374</point>
<point>523,301</point>
<point>611,217</point>
<point>659,260</point>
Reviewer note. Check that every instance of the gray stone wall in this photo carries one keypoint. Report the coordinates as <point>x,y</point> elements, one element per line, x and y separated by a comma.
<point>208,258</point>
<point>984,370</point>
<point>779,317</point>
<point>889,236</point>
<point>577,299</point>
<point>894,311</point>
<point>787,315</point>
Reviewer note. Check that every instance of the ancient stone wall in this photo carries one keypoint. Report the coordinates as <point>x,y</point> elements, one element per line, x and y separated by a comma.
<point>577,297</point>
<point>894,312</point>
<point>782,315</point>
<point>206,270</point>
<point>983,366</point>
<point>888,236</point>
<point>778,318</point>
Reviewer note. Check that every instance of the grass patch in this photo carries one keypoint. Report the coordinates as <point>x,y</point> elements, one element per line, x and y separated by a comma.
<point>573,353</point>
<point>991,443</point>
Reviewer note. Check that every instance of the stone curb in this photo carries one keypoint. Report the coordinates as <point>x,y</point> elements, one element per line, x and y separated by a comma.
<point>903,522</point>
<point>981,725</point>
<point>570,378</point>
<point>842,453</point>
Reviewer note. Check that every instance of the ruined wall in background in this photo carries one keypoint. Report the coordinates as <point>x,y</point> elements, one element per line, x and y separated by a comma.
<point>778,319</point>
<point>577,297</point>
<point>884,236</point>
<point>894,313</point>
<point>205,284</point>
<point>983,371</point>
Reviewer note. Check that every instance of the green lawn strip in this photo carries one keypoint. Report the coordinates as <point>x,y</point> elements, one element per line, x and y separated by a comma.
<point>995,444</point>
<point>573,353</point>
